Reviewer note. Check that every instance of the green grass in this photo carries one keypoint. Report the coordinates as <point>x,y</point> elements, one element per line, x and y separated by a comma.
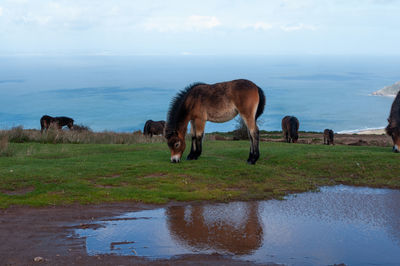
<point>55,174</point>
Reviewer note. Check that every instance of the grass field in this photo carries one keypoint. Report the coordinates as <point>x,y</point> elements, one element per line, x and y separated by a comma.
<point>38,174</point>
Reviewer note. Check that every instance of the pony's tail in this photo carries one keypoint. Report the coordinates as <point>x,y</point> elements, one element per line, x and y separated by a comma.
<point>146,128</point>
<point>294,127</point>
<point>261,102</point>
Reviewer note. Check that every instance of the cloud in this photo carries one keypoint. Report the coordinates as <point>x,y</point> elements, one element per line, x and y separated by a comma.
<point>1,11</point>
<point>176,24</point>
<point>203,22</point>
<point>259,26</point>
<point>298,27</point>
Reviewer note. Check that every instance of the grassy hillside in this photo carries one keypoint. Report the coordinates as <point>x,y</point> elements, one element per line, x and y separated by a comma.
<point>39,174</point>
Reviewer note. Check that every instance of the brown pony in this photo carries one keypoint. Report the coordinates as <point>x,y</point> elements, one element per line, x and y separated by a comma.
<point>393,128</point>
<point>154,128</point>
<point>59,121</point>
<point>290,127</point>
<point>189,226</point>
<point>328,137</point>
<point>219,103</point>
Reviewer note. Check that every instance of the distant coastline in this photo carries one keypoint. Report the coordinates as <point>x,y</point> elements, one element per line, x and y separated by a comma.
<point>367,131</point>
<point>390,91</point>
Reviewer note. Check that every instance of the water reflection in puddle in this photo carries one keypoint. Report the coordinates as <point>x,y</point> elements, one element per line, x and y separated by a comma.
<point>341,224</point>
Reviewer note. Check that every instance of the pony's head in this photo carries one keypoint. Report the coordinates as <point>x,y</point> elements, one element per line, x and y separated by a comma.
<point>293,132</point>
<point>70,124</point>
<point>176,144</point>
<point>394,131</point>
<point>295,137</point>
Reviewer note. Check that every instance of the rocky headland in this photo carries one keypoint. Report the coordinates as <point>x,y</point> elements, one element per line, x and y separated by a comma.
<point>391,90</point>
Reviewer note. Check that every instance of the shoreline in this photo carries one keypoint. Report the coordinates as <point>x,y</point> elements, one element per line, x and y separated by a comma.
<point>367,131</point>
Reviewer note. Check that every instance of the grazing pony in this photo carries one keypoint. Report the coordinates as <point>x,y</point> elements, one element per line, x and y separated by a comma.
<point>189,225</point>
<point>328,137</point>
<point>59,121</point>
<point>154,128</point>
<point>290,127</point>
<point>219,103</point>
<point>393,128</point>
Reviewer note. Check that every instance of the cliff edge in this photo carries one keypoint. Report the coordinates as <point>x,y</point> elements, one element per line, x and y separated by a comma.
<point>391,90</point>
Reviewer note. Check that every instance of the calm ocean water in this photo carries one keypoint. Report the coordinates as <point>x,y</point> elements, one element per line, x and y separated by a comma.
<point>120,93</point>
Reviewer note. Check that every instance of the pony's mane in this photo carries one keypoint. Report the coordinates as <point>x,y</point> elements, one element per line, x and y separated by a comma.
<point>176,110</point>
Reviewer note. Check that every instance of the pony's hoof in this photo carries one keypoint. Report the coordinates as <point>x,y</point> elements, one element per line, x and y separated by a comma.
<point>191,157</point>
<point>251,161</point>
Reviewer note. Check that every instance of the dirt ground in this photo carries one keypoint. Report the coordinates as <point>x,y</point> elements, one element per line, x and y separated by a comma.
<point>381,140</point>
<point>29,233</point>
<point>365,138</point>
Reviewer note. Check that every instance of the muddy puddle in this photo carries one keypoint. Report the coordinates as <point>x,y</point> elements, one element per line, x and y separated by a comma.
<point>341,224</point>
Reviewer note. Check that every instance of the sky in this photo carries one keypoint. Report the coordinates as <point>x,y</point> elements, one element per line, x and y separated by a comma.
<point>207,27</point>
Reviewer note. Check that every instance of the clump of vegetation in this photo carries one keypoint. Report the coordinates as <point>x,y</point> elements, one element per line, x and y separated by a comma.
<point>240,132</point>
<point>4,147</point>
<point>81,128</point>
<point>80,135</point>
<point>18,135</point>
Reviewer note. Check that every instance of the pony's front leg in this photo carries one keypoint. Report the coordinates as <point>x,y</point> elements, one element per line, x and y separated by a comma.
<point>196,149</point>
<point>287,137</point>
<point>197,140</point>
<point>191,155</point>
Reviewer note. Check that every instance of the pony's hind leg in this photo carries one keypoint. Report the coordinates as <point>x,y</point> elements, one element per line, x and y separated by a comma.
<point>197,128</point>
<point>254,137</point>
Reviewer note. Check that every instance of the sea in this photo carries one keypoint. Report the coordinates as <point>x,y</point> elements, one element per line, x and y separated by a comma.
<point>119,93</point>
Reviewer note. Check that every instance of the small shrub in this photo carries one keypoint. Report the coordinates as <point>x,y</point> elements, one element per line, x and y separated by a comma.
<point>17,134</point>
<point>4,147</point>
<point>81,128</point>
<point>51,135</point>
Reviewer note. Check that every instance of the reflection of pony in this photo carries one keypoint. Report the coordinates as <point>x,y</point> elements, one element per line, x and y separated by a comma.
<point>290,127</point>
<point>59,121</point>
<point>219,103</point>
<point>328,137</point>
<point>239,232</point>
<point>393,128</point>
<point>154,128</point>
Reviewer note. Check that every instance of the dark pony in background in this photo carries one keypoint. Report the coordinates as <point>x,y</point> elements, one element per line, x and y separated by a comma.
<point>154,128</point>
<point>59,121</point>
<point>393,128</point>
<point>328,137</point>
<point>290,127</point>
<point>219,103</point>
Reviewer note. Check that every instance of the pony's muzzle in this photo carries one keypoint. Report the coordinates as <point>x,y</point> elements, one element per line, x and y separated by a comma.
<point>395,149</point>
<point>175,159</point>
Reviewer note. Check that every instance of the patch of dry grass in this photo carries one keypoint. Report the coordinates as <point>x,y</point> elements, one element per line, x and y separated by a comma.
<point>4,147</point>
<point>81,136</point>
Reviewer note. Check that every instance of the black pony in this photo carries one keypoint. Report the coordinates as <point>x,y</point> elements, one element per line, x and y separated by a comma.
<point>328,137</point>
<point>290,127</point>
<point>59,121</point>
<point>154,128</point>
<point>393,128</point>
